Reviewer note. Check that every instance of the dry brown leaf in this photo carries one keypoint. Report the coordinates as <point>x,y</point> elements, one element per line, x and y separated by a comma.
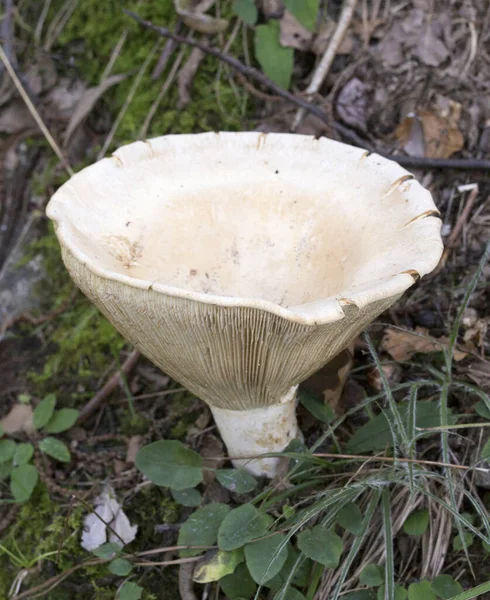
<point>195,18</point>
<point>430,49</point>
<point>293,34</point>
<point>322,39</point>
<point>134,445</point>
<point>18,420</point>
<point>15,117</point>
<point>440,136</point>
<point>186,76</point>
<point>402,345</point>
<point>479,372</point>
<point>329,380</point>
<point>87,102</point>
<point>351,104</point>
<point>211,447</point>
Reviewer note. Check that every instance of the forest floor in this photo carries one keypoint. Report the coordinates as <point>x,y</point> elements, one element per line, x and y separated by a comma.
<point>408,78</point>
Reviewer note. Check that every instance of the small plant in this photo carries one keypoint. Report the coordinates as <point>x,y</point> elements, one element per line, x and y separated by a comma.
<point>16,457</point>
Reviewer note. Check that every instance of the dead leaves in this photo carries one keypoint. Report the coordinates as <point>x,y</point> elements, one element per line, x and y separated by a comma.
<point>402,345</point>
<point>87,102</point>
<point>18,420</point>
<point>293,34</point>
<point>432,133</point>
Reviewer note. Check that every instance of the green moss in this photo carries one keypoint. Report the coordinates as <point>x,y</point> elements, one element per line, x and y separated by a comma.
<point>133,424</point>
<point>92,33</point>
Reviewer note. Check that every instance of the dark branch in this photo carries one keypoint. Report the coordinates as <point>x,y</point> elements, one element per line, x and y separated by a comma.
<point>348,134</point>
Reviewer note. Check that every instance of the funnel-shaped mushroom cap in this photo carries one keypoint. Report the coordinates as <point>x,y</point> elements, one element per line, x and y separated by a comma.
<point>242,262</point>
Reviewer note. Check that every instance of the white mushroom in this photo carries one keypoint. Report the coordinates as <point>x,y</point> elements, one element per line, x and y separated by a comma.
<point>240,263</point>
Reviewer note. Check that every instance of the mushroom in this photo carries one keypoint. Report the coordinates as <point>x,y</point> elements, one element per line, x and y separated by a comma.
<point>240,263</point>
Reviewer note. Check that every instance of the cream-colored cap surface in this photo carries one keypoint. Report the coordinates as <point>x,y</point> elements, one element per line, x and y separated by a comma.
<point>240,263</point>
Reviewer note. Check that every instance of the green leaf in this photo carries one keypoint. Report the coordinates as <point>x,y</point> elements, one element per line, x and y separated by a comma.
<point>305,11</point>
<point>236,480</point>
<point>361,595</point>
<point>216,564</point>
<point>276,60</point>
<point>291,594</point>
<point>44,411</point>
<point>130,591</point>
<point>266,557</point>
<point>421,591</point>
<point>7,450</point>
<point>23,454</point>
<point>372,575</point>
<point>321,411</point>
<point>120,566</point>
<point>376,433</point>
<point>400,593</point>
<point>24,398</point>
<point>458,542</point>
<point>169,463</point>
<point>107,551</point>
<point>485,451</point>
<point>239,584</point>
<point>201,528</point>
<point>188,497</point>
<point>350,517</point>
<point>2,431</point>
<point>55,448</point>
<point>61,420</point>
<point>416,522</point>
<point>446,587</point>
<point>6,469</point>
<point>240,526</point>
<point>321,545</point>
<point>23,480</point>
<point>482,409</point>
<point>301,577</point>
<point>246,10</point>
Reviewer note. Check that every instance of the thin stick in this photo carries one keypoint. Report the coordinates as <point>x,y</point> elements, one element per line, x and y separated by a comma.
<point>366,457</point>
<point>108,388</point>
<point>163,90</point>
<point>325,63</point>
<point>32,109</point>
<point>406,161</point>
<point>128,101</point>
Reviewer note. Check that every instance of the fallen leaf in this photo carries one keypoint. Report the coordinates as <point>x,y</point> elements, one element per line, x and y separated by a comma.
<point>87,102</point>
<point>195,18</point>
<point>324,35</point>
<point>134,444</point>
<point>95,531</point>
<point>351,104</point>
<point>328,382</point>
<point>186,76</point>
<point>18,420</point>
<point>15,117</point>
<point>480,373</point>
<point>211,447</point>
<point>62,99</point>
<point>293,34</point>
<point>392,373</point>
<point>441,137</point>
<point>430,49</point>
<point>402,345</point>
<point>410,134</point>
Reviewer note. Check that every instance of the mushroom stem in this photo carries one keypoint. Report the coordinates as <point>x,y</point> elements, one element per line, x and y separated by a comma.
<point>258,431</point>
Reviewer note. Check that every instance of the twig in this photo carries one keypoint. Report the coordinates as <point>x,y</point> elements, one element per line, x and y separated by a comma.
<point>367,457</point>
<point>37,320</point>
<point>32,109</point>
<point>93,404</point>
<point>128,101</point>
<point>325,63</point>
<point>456,232</point>
<point>349,134</point>
<point>186,587</point>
